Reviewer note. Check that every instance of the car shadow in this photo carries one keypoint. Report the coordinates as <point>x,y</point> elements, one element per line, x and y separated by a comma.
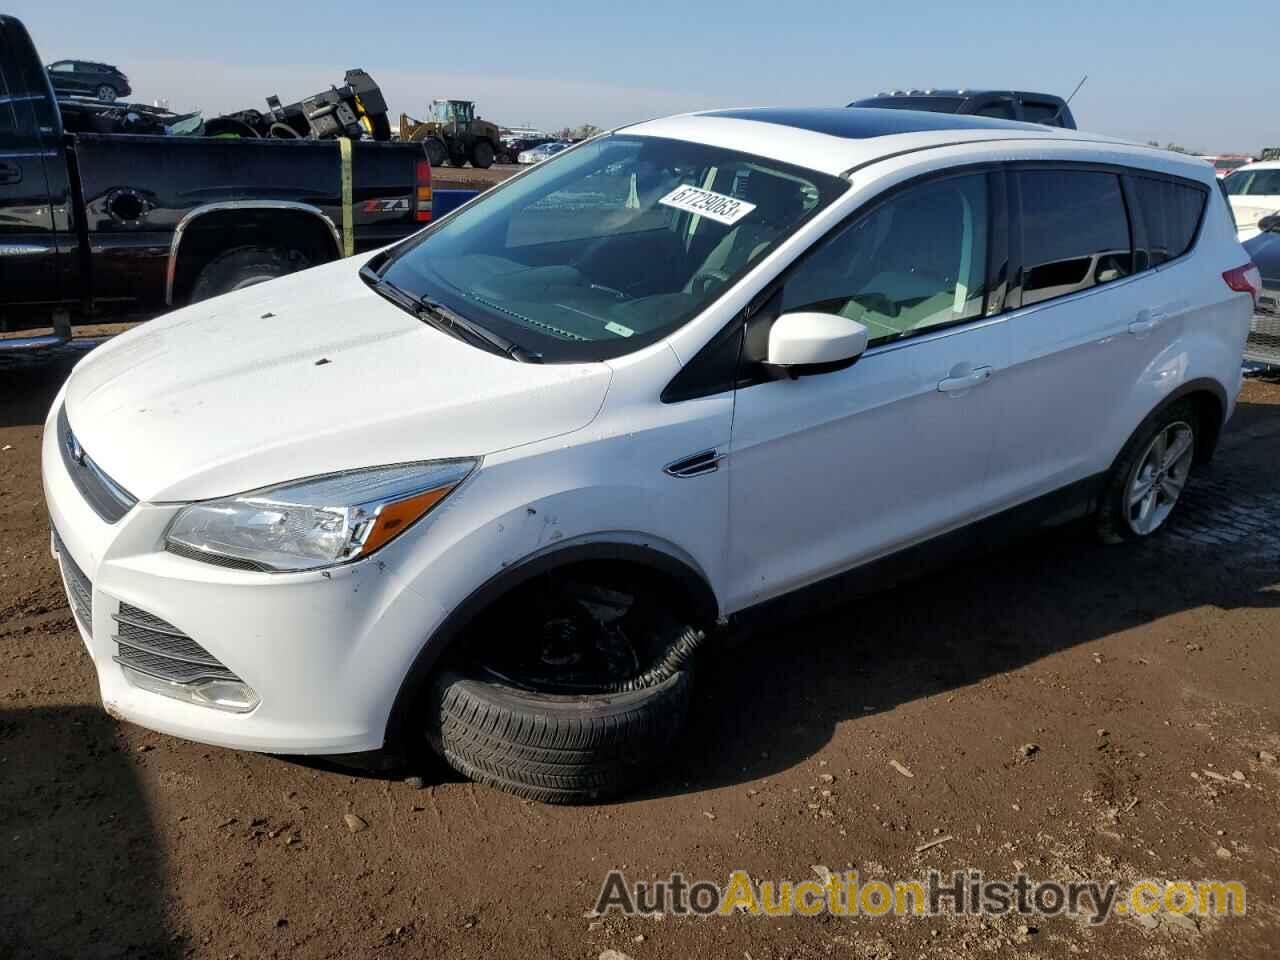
<point>993,612</point>
<point>83,869</point>
<point>28,386</point>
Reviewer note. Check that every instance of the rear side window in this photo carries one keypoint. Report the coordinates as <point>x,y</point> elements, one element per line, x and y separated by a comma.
<point>1170,214</point>
<point>1075,232</point>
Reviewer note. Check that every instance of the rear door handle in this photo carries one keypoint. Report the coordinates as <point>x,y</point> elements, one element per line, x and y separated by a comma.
<point>1147,321</point>
<point>975,378</point>
<point>10,173</point>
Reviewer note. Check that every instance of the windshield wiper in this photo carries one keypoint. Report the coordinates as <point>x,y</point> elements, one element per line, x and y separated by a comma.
<point>447,321</point>
<point>441,317</point>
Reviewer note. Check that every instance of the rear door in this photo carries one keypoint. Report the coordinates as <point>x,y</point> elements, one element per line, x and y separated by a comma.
<point>1089,319</point>
<point>28,249</point>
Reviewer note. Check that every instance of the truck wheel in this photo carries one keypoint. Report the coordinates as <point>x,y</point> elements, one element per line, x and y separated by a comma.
<point>237,269</point>
<point>436,153</point>
<point>106,93</point>
<point>482,155</point>
<point>569,691</point>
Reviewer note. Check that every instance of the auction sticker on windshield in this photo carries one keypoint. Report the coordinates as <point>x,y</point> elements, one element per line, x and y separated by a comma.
<point>707,203</point>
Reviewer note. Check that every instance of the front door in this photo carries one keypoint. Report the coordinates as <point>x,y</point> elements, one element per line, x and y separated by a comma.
<point>830,470</point>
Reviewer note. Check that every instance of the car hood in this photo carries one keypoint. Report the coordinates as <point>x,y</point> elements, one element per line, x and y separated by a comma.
<point>306,375</point>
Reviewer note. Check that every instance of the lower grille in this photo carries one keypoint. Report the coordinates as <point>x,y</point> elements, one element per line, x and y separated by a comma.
<point>158,648</point>
<point>79,589</point>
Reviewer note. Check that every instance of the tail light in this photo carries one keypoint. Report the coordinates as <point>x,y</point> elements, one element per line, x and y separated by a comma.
<point>1246,279</point>
<point>422,190</point>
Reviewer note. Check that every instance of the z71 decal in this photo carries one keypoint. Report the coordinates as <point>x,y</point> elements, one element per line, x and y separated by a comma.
<point>390,205</point>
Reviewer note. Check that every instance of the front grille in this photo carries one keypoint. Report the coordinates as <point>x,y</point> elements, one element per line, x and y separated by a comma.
<point>156,647</point>
<point>79,589</point>
<point>109,500</point>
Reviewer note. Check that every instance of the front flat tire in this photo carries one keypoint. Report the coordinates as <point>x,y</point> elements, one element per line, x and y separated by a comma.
<point>549,747</point>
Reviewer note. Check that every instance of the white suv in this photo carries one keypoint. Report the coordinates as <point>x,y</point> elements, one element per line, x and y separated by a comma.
<point>498,486</point>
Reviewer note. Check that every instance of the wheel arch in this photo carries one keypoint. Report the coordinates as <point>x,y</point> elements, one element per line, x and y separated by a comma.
<point>1211,402</point>
<point>654,555</point>
<point>246,218</point>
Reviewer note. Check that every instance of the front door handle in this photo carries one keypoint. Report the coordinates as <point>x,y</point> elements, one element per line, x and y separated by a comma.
<point>10,173</point>
<point>974,378</point>
<point>1147,321</point>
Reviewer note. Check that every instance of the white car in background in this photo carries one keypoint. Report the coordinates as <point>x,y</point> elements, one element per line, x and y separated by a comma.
<point>1254,193</point>
<point>497,486</point>
<point>541,152</point>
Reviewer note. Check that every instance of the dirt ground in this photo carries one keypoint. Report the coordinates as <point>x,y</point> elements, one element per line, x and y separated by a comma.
<point>1145,677</point>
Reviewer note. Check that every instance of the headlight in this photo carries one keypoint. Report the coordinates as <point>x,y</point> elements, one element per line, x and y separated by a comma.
<point>317,522</point>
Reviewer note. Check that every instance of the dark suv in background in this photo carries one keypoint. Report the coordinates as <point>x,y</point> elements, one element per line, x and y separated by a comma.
<point>1003,104</point>
<point>86,78</point>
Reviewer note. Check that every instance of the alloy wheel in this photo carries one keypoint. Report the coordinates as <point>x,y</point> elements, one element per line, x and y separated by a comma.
<point>1159,477</point>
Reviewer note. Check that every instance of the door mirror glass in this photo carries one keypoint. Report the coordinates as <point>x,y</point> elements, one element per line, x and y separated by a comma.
<point>807,339</point>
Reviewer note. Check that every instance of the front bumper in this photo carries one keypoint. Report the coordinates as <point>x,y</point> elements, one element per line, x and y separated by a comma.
<point>325,651</point>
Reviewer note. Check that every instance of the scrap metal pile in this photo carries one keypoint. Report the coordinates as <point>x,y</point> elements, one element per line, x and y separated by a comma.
<point>356,109</point>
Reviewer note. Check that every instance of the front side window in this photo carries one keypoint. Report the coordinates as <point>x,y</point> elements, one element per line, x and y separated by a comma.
<point>63,67</point>
<point>1075,232</point>
<point>1253,183</point>
<point>915,263</point>
<point>1170,215</point>
<point>611,245</point>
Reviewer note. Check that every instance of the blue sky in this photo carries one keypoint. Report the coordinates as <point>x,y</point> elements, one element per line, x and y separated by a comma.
<point>1203,74</point>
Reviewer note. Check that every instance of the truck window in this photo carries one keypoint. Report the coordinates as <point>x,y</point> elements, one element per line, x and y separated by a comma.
<point>1038,111</point>
<point>8,124</point>
<point>1000,109</point>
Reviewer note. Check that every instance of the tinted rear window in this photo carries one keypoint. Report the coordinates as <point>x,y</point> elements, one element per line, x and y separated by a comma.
<point>1170,214</point>
<point>1075,233</point>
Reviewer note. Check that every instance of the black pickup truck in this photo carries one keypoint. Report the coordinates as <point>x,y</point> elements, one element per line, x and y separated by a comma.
<point>96,225</point>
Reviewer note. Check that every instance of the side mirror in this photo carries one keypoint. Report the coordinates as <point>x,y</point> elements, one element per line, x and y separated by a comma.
<point>1270,224</point>
<point>815,339</point>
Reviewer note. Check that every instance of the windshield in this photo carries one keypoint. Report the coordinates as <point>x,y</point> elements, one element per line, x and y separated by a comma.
<point>1253,183</point>
<point>609,246</point>
<point>1233,163</point>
